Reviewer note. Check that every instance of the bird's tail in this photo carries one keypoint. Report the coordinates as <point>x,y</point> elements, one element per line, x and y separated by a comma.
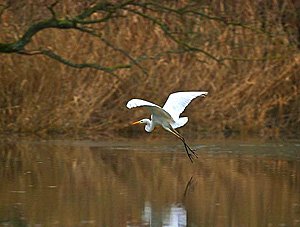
<point>180,122</point>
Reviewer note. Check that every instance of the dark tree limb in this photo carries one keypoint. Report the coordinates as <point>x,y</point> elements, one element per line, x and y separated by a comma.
<point>59,58</point>
<point>20,44</point>
<point>64,23</point>
<point>70,23</point>
<point>84,21</point>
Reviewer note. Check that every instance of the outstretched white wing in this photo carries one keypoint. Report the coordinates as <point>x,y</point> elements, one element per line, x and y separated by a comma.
<point>177,102</point>
<point>153,108</point>
<point>140,103</point>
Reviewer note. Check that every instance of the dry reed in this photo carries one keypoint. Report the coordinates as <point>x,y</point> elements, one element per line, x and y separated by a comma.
<point>256,90</point>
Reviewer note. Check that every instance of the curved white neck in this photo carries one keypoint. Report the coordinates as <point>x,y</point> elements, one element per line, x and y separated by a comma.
<point>149,125</point>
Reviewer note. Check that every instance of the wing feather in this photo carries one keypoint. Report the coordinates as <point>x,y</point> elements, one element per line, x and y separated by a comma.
<point>177,102</point>
<point>140,103</point>
<point>153,108</point>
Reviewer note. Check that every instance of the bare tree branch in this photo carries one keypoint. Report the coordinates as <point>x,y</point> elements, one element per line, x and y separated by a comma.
<point>51,8</point>
<point>104,11</point>
<point>114,47</point>
<point>109,16</point>
<point>101,6</point>
<point>65,23</point>
<point>166,53</point>
<point>33,30</point>
<point>165,28</point>
<point>53,55</point>
<point>70,23</point>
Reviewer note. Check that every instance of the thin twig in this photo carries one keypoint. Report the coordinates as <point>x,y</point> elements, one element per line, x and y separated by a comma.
<point>165,28</point>
<point>51,8</point>
<point>123,52</point>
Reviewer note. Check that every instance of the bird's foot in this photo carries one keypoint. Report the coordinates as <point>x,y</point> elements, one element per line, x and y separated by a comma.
<point>190,152</point>
<point>193,152</point>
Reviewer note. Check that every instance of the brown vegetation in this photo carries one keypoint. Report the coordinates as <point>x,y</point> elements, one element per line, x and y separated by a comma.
<point>254,89</point>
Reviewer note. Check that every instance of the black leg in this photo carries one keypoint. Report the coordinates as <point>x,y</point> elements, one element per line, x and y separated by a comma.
<point>187,186</point>
<point>189,151</point>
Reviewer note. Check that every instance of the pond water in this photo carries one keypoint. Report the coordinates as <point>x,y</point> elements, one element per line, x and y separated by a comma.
<point>149,183</point>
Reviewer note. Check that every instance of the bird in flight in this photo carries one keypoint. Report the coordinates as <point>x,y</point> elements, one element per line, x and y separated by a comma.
<point>168,116</point>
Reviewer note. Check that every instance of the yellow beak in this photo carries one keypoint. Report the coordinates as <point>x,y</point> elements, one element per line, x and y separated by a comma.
<point>136,122</point>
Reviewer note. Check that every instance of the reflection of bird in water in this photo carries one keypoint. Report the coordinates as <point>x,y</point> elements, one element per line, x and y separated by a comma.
<point>187,187</point>
<point>169,115</point>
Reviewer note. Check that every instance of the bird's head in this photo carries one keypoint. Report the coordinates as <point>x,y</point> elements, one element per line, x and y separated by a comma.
<point>148,126</point>
<point>143,121</point>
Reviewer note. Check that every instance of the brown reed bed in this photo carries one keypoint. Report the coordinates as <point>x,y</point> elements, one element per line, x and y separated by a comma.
<point>254,90</point>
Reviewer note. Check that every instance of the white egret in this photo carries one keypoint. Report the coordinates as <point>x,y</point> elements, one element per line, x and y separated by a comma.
<point>169,115</point>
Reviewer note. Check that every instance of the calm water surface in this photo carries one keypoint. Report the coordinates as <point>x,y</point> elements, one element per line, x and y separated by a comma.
<point>106,183</point>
